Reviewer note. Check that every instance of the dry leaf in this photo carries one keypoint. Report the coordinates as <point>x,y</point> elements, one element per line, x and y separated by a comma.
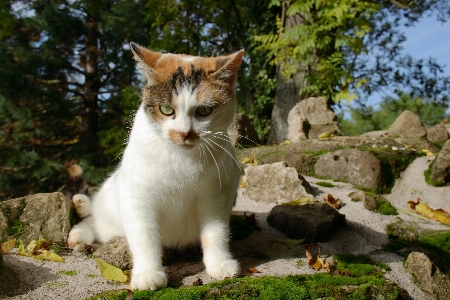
<point>253,161</point>
<point>252,220</point>
<point>253,270</point>
<point>286,142</point>
<point>198,282</point>
<point>39,250</point>
<point>423,209</point>
<point>315,261</point>
<point>291,241</point>
<point>300,201</point>
<point>428,152</point>
<point>48,255</point>
<point>324,135</point>
<point>8,246</point>
<point>110,272</point>
<point>245,160</point>
<point>243,182</point>
<point>334,203</point>
<point>88,249</point>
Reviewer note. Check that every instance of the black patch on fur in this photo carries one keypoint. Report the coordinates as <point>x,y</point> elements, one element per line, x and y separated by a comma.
<point>75,185</point>
<point>193,80</point>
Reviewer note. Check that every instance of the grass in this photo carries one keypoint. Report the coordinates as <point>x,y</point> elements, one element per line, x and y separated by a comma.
<point>68,273</point>
<point>325,184</point>
<point>359,272</point>
<point>16,228</point>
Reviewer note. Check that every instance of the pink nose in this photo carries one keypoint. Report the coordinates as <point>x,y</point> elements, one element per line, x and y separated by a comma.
<point>184,135</point>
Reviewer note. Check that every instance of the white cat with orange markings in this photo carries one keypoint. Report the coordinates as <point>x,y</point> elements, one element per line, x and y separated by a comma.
<point>177,181</point>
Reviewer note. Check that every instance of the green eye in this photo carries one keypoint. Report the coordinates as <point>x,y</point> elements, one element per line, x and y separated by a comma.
<point>204,110</point>
<point>166,110</point>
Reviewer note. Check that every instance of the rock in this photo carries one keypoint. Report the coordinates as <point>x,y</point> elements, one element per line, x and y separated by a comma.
<point>428,275</point>
<point>375,134</point>
<point>40,215</point>
<point>377,203</point>
<point>115,252</point>
<point>407,125</point>
<point>275,183</point>
<point>409,231</point>
<point>353,166</point>
<point>242,131</point>
<point>315,222</point>
<point>309,118</point>
<point>1,260</point>
<point>437,134</point>
<point>440,169</point>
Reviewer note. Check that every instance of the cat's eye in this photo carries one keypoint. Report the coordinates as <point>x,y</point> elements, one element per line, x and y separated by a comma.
<point>204,110</point>
<point>166,110</point>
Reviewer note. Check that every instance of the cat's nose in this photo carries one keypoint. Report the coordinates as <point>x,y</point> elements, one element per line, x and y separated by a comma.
<point>184,135</point>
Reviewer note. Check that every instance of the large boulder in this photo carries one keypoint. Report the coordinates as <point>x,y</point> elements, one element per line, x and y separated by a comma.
<point>407,125</point>
<point>242,132</point>
<point>440,170</point>
<point>315,222</point>
<point>437,134</point>
<point>353,166</point>
<point>275,183</point>
<point>428,275</point>
<point>309,118</point>
<point>40,215</point>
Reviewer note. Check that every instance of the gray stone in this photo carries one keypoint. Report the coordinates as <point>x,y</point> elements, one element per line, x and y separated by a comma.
<point>309,118</point>
<point>275,183</point>
<point>374,134</point>
<point>440,170</point>
<point>242,132</point>
<point>428,275</point>
<point>315,222</point>
<point>353,166</point>
<point>115,252</point>
<point>1,260</point>
<point>407,125</point>
<point>437,134</point>
<point>40,215</point>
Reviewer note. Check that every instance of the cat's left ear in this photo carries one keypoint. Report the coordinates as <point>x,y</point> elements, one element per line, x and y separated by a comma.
<point>227,67</point>
<point>146,59</point>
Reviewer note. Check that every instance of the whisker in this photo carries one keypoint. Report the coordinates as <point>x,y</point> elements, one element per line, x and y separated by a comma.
<point>223,133</point>
<point>231,155</point>
<point>226,173</point>
<point>218,171</point>
<point>229,139</point>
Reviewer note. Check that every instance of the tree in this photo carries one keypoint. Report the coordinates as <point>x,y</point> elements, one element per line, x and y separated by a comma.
<point>63,67</point>
<point>346,50</point>
<point>364,119</point>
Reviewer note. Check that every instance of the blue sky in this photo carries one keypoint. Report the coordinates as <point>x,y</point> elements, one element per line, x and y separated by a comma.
<point>428,38</point>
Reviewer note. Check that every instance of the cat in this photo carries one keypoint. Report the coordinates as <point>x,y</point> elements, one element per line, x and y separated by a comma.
<point>178,178</point>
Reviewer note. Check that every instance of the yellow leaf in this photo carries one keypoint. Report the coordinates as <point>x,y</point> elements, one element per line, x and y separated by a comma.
<point>22,251</point>
<point>245,160</point>
<point>110,272</point>
<point>8,246</point>
<point>286,142</point>
<point>324,135</point>
<point>48,255</point>
<point>243,182</point>
<point>427,152</point>
<point>439,215</point>
<point>253,161</point>
<point>300,201</point>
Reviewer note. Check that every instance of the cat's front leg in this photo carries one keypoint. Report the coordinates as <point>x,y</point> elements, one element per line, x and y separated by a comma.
<point>216,255</point>
<point>144,240</point>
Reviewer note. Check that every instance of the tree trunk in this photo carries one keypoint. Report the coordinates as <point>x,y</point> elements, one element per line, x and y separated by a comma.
<point>287,93</point>
<point>91,86</point>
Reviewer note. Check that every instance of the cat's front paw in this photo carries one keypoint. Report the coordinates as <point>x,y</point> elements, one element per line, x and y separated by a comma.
<point>148,280</point>
<point>227,268</point>
<point>75,239</point>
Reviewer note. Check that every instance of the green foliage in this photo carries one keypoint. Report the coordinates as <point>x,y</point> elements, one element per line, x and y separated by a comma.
<point>366,118</point>
<point>324,184</point>
<point>68,273</point>
<point>16,228</point>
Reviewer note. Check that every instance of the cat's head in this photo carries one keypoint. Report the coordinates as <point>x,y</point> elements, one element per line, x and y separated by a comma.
<point>187,97</point>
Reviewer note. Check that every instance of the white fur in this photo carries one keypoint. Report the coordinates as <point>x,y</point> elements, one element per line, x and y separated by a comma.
<point>165,194</point>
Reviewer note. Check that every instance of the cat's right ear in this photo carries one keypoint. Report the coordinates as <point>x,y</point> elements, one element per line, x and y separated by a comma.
<point>146,59</point>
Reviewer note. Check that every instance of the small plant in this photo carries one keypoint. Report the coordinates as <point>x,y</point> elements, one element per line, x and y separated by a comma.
<point>324,184</point>
<point>68,273</point>
<point>356,199</point>
<point>16,228</point>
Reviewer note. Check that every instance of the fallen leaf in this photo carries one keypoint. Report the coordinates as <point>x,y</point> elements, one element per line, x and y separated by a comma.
<point>243,182</point>
<point>315,261</point>
<point>423,209</point>
<point>300,201</point>
<point>253,161</point>
<point>286,142</point>
<point>291,241</point>
<point>48,255</point>
<point>428,152</point>
<point>39,250</point>
<point>88,249</point>
<point>253,270</point>
<point>245,160</point>
<point>324,135</point>
<point>110,272</point>
<point>331,201</point>
<point>8,246</point>
<point>252,220</point>
<point>198,282</point>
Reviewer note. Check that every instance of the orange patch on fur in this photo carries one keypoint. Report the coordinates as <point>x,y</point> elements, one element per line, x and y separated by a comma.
<point>205,242</point>
<point>178,138</point>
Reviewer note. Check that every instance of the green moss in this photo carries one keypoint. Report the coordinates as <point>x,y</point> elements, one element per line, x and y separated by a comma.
<point>68,273</point>
<point>324,184</point>
<point>427,174</point>
<point>386,208</point>
<point>15,228</point>
<point>364,275</point>
<point>355,199</point>
<point>56,284</point>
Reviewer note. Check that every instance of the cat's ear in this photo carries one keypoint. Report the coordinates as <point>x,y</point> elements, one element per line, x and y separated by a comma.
<point>227,67</point>
<point>146,59</point>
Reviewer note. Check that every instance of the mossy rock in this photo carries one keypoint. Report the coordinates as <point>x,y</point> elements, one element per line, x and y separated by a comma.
<point>377,203</point>
<point>355,277</point>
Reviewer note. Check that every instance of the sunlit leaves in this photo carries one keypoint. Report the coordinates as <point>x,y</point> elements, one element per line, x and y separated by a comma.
<point>39,250</point>
<point>423,209</point>
<point>110,272</point>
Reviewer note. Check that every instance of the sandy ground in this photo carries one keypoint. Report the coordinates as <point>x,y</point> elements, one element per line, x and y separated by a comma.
<point>25,278</point>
